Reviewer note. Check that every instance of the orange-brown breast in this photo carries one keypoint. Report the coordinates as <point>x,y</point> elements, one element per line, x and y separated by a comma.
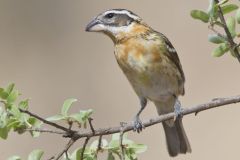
<point>138,51</point>
<point>147,67</point>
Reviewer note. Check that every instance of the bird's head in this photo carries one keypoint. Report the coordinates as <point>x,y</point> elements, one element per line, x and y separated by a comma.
<point>117,24</point>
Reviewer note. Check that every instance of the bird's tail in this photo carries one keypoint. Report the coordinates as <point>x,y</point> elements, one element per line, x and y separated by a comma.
<point>177,141</point>
<point>176,138</point>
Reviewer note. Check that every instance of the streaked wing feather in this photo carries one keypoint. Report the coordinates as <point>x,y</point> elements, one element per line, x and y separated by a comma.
<point>173,56</point>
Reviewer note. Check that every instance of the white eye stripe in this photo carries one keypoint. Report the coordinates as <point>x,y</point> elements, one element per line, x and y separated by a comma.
<point>123,12</point>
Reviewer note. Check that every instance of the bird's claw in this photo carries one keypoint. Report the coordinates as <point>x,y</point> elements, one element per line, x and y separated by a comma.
<point>177,110</point>
<point>137,125</point>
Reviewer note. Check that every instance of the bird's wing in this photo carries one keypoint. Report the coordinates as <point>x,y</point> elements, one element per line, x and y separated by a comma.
<point>172,55</point>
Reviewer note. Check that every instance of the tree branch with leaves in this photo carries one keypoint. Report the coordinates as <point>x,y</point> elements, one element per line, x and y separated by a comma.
<point>214,16</point>
<point>18,118</point>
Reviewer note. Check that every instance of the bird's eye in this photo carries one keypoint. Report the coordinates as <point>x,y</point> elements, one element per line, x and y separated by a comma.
<point>109,15</point>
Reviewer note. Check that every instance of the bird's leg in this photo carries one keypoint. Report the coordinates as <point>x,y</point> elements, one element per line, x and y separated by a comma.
<point>137,123</point>
<point>177,109</point>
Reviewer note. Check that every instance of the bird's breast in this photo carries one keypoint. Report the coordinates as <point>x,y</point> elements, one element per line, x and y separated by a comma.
<point>137,55</point>
<point>146,67</point>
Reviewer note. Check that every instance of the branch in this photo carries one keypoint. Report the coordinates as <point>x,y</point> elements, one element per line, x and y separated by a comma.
<point>229,36</point>
<point>84,147</point>
<point>121,141</point>
<point>91,125</point>
<point>45,131</point>
<point>126,127</point>
<point>217,102</point>
<point>99,143</point>
<point>46,121</point>
<point>70,143</point>
<point>211,27</point>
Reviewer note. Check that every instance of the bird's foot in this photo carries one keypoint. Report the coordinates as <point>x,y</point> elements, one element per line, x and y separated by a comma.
<point>177,110</point>
<point>137,125</point>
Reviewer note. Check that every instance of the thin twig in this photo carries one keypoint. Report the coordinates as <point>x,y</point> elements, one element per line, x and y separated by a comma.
<point>46,121</point>
<point>84,147</point>
<point>121,141</point>
<point>51,158</point>
<point>66,148</point>
<point>229,36</point>
<point>91,125</point>
<point>45,131</point>
<point>66,155</point>
<point>216,32</point>
<point>70,123</point>
<point>99,143</point>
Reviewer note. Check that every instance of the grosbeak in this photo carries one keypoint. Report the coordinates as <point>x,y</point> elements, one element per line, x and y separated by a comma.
<point>151,65</point>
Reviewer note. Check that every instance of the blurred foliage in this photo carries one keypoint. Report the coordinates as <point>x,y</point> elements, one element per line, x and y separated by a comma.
<point>34,155</point>
<point>113,149</point>
<point>13,119</point>
<point>81,118</point>
<point>211,16</point>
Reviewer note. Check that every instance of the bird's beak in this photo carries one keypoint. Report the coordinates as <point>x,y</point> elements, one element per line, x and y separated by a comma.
<point>95,26</point>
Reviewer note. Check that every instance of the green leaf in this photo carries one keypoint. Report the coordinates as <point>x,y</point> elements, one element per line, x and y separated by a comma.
<point>220,50</point>
<point>138,148</point>
<point>114,143</point>
<point>231,24</point>
<point>14,158</point>
<point>130,155</point>
<point>66,105</point>
<point>238,16</point>
<point>88,154</point>
<point>110,156</point>
<point>94,144</point>
<point>56,118</point>
<point>1,90</point>
<point>24,118</point>
<point>23,104</point>
<point>215,39</point>
<point>200,15</point>
<point>222,2</point>
<point>10,88</point>
<point>15,111</point>
<point>212,10</point>
<point>76,155</point>
<point>3,118</point>
<point>86,114</point>
<point>4,95</point>
<point>36,124</point>
<point>35,155</point>
<point>4,132</point>
<point>13,123</point>
<point>229,8</point>
<point>76,117</point>
<point>116,136</point>
<point>12,96</point>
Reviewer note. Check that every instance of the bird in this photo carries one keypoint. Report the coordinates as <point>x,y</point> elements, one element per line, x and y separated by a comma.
<point>151,65</point>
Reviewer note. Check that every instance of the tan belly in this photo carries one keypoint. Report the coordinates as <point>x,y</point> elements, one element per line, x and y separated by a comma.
<point>155,85</point>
